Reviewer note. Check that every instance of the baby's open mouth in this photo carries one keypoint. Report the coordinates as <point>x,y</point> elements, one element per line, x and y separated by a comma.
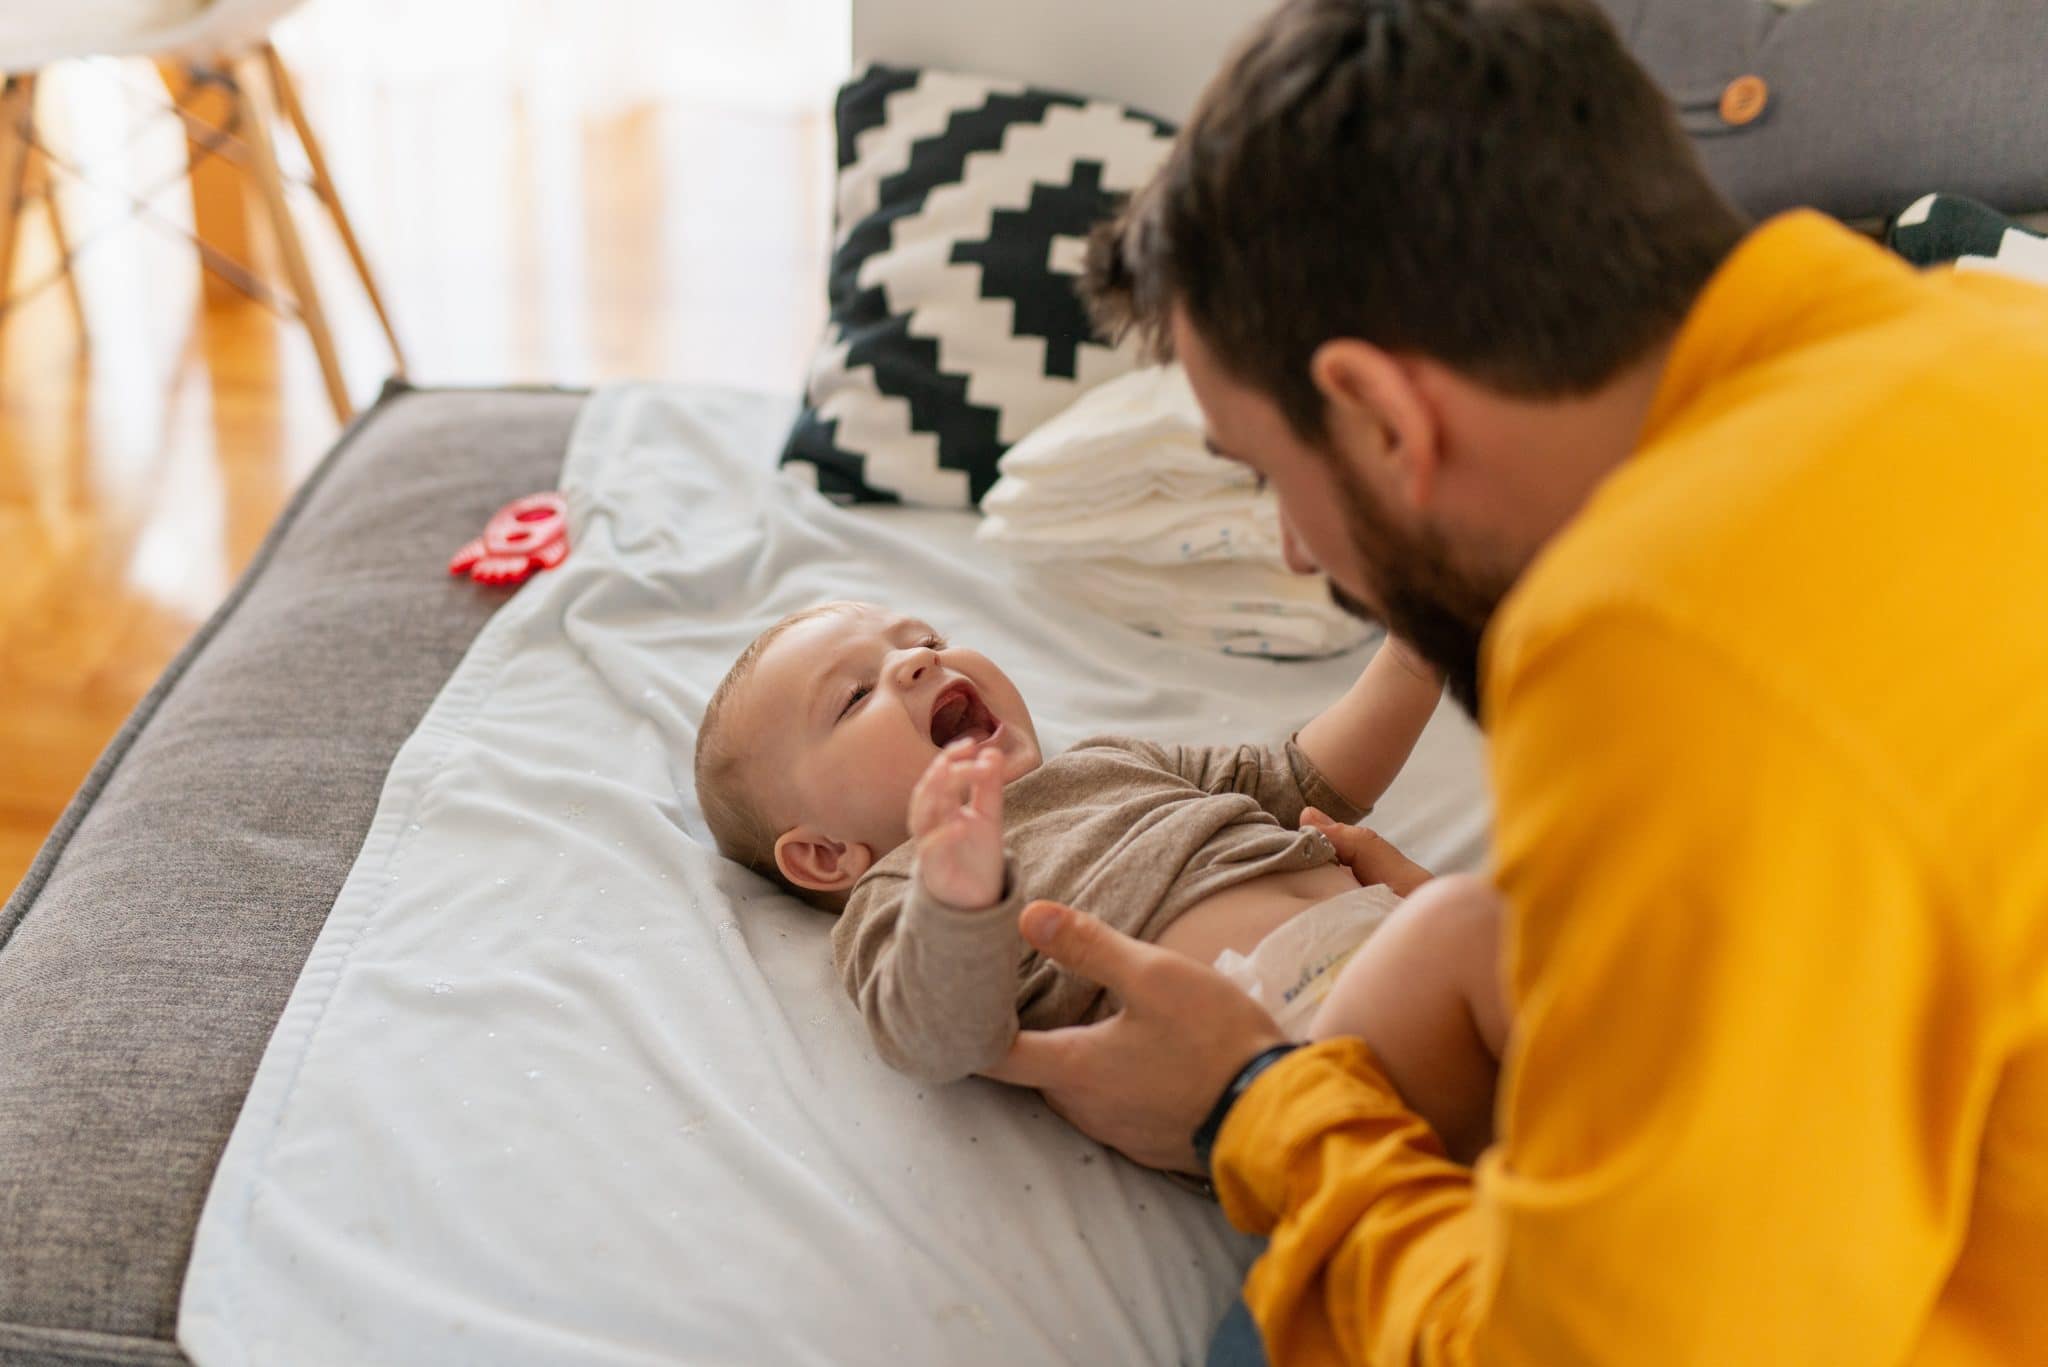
<point>959,711</point>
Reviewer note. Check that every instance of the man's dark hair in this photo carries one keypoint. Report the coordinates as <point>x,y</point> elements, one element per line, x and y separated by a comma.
<point>1495,184</point>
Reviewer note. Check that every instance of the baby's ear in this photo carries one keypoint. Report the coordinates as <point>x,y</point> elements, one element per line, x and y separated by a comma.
<point>813,860</point>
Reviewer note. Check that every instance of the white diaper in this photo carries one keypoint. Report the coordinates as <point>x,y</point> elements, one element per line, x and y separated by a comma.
<point>1293,969</point>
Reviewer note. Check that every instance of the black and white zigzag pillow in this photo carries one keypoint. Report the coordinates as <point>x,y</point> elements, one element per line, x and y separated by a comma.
<point>964,207</point>
<point>1949,229</point>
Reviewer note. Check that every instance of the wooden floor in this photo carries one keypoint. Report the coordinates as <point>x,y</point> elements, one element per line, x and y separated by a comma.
<point>518,237</point>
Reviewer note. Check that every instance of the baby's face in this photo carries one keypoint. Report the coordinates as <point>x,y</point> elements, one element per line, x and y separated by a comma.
<point>847,710</point>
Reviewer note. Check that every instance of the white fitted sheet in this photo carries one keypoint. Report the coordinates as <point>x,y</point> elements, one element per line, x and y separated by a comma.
<point>558,1085</point>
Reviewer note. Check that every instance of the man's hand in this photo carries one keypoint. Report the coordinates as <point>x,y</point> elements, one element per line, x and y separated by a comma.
<point>1369,855</point>
<point>1144,1079</point>
<point>956,818</point>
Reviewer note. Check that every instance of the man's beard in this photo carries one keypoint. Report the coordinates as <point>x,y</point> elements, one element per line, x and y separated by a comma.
<point>1426,599</point>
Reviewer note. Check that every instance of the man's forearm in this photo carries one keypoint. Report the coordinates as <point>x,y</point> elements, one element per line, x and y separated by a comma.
<point>1372,1242</point>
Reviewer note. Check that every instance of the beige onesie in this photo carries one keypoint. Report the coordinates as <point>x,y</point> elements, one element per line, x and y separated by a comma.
<point>1129,830</point>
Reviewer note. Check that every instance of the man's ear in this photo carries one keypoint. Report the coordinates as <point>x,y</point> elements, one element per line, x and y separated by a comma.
<point>1378,417</point>
<point>811,859</point>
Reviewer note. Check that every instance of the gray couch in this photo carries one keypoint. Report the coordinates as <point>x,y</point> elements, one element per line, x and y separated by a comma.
<point>149,952</point>
<point>146,957</point>
<point>1871,103</point>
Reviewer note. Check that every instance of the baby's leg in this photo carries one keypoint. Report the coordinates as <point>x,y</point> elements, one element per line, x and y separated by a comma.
<point>1425,993</point>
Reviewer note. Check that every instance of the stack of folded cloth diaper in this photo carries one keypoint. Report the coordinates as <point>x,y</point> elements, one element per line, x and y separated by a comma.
<point>1117,503</point>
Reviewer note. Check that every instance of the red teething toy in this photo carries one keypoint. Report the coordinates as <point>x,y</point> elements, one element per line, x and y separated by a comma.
<point>525,535</point>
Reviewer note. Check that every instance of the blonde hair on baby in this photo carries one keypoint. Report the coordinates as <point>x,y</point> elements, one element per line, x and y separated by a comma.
<point>731,801</point>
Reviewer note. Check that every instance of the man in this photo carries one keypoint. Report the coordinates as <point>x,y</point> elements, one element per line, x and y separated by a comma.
<point>1750,526</point>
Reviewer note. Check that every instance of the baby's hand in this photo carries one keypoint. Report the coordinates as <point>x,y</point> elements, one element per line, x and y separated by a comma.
<point>956,818</point>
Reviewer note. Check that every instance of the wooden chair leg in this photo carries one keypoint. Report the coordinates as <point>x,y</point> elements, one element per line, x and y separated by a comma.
<point>17,100</point>
<point>254,105</point>
<point>323,184</point>
<point>46,185</point>
<point>220,208</point>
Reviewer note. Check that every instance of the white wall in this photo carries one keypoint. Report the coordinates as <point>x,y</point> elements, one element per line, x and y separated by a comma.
<point>1155,54</point>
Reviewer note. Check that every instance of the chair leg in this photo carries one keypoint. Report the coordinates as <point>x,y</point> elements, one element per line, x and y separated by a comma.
<point>323,184</point>
<point>253,104</point>
<point>17,99</point>
<point>220,210</point>
<point>54,210</point>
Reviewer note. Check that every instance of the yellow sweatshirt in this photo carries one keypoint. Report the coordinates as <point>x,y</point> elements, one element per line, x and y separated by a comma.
<point>1769,731</point>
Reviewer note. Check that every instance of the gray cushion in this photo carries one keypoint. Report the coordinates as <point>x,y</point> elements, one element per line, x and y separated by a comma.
<point>1872,102</point>
<point>147,955</point>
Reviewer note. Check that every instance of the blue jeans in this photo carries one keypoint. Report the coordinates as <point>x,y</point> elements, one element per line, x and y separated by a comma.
<point>1237,1342</point>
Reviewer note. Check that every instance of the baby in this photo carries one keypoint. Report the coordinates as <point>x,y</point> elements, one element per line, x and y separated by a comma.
<point>854,755</point>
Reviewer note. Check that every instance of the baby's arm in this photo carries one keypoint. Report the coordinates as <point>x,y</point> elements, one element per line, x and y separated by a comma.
<point>1425,994</point>
<point>1361,741</point>
<point>931,960</point>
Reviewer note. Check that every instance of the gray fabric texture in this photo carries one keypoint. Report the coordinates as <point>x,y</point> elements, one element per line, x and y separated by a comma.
<point>1873,103</point>
<point>147,955</point>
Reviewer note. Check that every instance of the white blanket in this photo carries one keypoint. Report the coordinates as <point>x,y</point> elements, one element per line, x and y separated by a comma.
<point>558,1085</point>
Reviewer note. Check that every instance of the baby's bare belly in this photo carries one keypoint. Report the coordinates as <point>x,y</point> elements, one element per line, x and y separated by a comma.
<point>1238,918</point>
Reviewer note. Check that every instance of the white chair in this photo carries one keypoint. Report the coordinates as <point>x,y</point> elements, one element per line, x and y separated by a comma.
<point>235,96</point>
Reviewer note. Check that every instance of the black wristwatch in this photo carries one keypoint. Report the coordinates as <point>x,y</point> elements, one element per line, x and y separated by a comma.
<point>1205,1136</point>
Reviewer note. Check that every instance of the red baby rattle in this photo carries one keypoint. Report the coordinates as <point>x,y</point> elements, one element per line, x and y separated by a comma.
<point>525,535</point>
